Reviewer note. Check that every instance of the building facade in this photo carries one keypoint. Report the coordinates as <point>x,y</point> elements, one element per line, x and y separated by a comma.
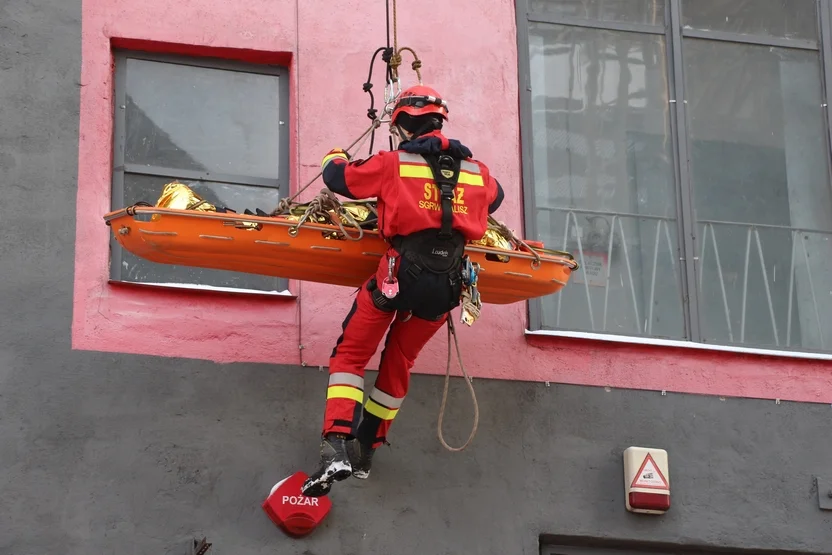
<point>680,149</point>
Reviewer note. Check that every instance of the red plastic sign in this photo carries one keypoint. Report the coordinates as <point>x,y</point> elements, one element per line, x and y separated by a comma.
<point>293,512</point>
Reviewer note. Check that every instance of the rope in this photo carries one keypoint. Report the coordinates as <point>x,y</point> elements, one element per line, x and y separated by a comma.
<point>417,63</point>
<point>396,55</point>
<point>504,229</point>
<point>452,332</point>
<point>285,204</point>
<point>321,206</point>
<point>396,61</point>
<point>131,210</point>
<point>395,30</point>
<point>389,72</point>
<point>387,21</point>
<point>395,58</point>
<point>372,112</point>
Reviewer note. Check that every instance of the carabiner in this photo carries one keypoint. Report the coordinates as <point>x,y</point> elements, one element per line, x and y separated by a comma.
<point>390,93</point>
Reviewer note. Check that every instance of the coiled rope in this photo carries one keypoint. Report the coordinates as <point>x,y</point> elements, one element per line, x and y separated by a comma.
<point>452,334</point>
<point>322,206</point>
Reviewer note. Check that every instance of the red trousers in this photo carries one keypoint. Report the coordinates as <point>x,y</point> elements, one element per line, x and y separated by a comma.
<point>363,329</point>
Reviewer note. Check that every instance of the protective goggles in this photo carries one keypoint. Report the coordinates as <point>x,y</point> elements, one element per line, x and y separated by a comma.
<point>422,101</point>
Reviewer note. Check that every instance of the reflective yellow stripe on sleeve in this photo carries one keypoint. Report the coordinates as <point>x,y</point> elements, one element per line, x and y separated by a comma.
<point>382,412</point>
<point>329,157</point>
<point>345,392</point>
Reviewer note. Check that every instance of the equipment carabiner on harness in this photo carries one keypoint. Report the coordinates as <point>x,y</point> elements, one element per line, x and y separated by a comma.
<point>471,302</point>
<point>470,272</point>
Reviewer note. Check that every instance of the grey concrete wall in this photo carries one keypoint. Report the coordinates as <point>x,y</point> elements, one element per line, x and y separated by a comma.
<point>135,455</point>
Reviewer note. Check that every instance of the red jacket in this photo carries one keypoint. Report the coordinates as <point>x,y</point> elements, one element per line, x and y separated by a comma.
<point>408,198</point>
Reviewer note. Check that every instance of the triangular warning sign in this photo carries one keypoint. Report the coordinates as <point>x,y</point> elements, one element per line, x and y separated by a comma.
<point>649,476</point>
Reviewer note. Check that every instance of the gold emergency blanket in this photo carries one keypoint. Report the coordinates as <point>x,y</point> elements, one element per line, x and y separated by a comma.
<point>179,196</point>
<point>493,238</point>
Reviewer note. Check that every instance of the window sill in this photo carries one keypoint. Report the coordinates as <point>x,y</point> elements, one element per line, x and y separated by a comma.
<point>207,288</point>
<point>681,344</point>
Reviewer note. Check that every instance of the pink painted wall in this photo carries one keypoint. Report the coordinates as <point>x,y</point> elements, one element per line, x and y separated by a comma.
<point>327,48</point>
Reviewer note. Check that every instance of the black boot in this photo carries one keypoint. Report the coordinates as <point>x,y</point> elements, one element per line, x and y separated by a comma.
<point>361,459</point>
<point>335,466</point>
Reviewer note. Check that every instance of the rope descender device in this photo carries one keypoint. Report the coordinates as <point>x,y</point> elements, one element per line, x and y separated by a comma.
<point>470,298</point>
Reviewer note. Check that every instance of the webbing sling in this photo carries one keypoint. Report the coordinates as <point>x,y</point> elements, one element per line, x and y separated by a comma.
<point>445,173</point>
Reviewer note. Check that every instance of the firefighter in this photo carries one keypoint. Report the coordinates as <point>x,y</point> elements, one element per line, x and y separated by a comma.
<point>432,197</point>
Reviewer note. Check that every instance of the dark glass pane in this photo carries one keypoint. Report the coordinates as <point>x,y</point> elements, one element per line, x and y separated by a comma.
<point>237,197</point>
<point>604,178</point>
<point>625,11</point>
<point>793,19</point>
<point>196,118</point>
<point>759,172</point>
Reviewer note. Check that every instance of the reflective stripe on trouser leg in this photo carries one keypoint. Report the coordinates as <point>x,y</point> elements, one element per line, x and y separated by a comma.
<point>363,329</point>
<point>379,412</point>
<point>404,343</point>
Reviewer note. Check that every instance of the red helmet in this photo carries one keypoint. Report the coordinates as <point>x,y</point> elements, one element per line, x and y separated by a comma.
<point>419,100</point>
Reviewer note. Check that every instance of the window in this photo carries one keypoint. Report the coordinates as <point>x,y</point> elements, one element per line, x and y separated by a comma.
<point>217,126</point>
<point>680,150</point>
<point>551,544</point>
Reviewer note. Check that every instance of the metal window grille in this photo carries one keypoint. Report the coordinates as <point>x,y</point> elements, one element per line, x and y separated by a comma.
<point>745,282</point>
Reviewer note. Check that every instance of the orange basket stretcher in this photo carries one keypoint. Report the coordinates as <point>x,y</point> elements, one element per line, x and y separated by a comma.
<point>277,246</point>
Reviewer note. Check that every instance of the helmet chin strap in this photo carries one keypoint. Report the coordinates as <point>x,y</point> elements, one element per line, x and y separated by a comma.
<point>399,133</point>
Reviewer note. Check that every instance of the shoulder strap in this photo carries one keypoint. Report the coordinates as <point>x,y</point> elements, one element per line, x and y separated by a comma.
<point>445,173</point>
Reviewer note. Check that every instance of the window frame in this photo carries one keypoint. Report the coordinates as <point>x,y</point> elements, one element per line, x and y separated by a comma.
<point>688,244</point>
<point>120,168</point>
<point>563,544</point>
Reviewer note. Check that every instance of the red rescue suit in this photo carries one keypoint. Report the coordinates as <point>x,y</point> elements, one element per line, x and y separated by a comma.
<point>410,210</point>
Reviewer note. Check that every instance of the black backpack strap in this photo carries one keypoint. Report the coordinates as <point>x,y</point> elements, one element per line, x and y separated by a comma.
<point>445,173</point>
